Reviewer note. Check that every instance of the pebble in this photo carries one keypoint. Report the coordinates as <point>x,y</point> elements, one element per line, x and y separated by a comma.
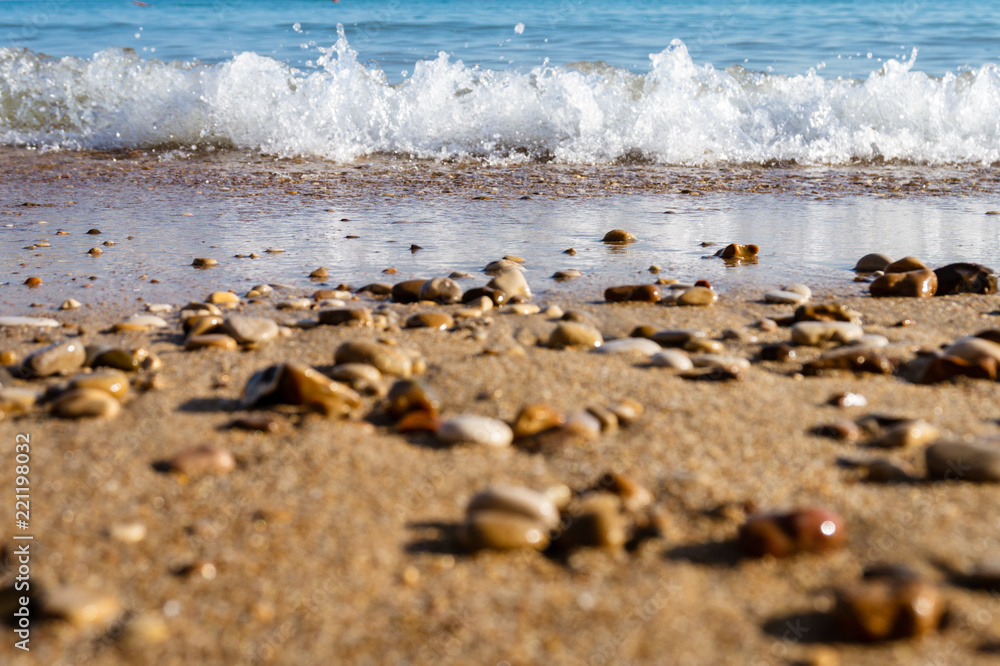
<point>536,418</point>
<point>128,532</point>
<point>697,296</point>
<point>885,471</point>
<point>785,534</point>
<point>671,358</point>
<point>95,251</point>
<point>407,291</point>
<point>473,429</point>
<point>476,294</point>
<point>250,330</point>
<point>567,274</point>
<point>704,346</point>
<point>16,400</point>
<point>203,459</point>
<point>963,278</point>
<point>855,360</point>
<point>913,284</point>
<point>70,304</point>
<point>113,382</point>
<point>295,304</point>
<point>640,346</point>
<point>634,496</point>
<point>785,297</point>
<point>259,423</point>
<point>777,352</point>
<point>735,251</point>
<point>871,263</point>
<point>676,337</point>
<point>331,294</point>
<point>910,433</point>
<point>226,298</point>
<point>512,283</point>
<point>85,403</point>
<point>408,395</point>
<point>356,317</point>
<point>847,399</point>
<point>159,308</point>
<point>82,608</point>
<point>887,608</point>
<point>210,341</point>
<point>387,359</point>
<point>574,334</point>
<point>501,265</point>
<point>441,290</point>
<point>518,501</point>
<point>298,384</point>
<point>361,377</point>
<point>974,348</point>
<point>204,262</point>
<point>111,357</point>
<point>583,424</point>
<point>643,293</point>
<point>320,273</point>
<point>500,530</point>
<point>816,333</point>
<point>957,461</point>
<point>595,520</point>
<point>827,312</point>
<point>31,322</point>
<point>56,359</point>
<point>195,308</point>
<point>201,324</point>
<point>523,309</point>
<point>905,265</point>
<point>870,341</point>
<point>732,364</point>
<point>619,236</point>
<point>376,289</point>
<point>141,322</point>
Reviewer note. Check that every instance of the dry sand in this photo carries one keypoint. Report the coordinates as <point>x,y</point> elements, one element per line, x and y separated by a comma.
<point>329,542</point>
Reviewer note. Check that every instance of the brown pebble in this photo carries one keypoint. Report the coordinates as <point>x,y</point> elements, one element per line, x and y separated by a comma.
<point>964,278</point>
<point>210,341</point>
<point>113,382</point>
<point>33,281</point>
<point>357,317</point>
<point>204,262</point>
<point>905,265</point>
<point>94,232</point>
<point>502,530</point>
<point>85,403</point>
<point>259,422</point>
<point>408,395</point>
<point>595,520</point>
<point>886,608</point>
<point>95,251</point>
<point>436,320</point>
<point>570,251</point>
<point>619,236</point>
<point>786,534</point>
<point>912,284</point>
<point>407,291</point>
<point>536,418</point>
<point>736,251</point>
<point>319,274</point>
<point>297,384</point>
<point>777,352</point>
<point>202,460</point>
<point>645,293</point>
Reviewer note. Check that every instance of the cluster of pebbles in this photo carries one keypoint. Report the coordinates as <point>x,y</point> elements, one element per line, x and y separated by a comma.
<point>380,380</point>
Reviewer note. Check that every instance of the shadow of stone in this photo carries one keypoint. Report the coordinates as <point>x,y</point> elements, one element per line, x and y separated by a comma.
<point>807,628</point>
<point>712,553</point>
<point>209,405</point>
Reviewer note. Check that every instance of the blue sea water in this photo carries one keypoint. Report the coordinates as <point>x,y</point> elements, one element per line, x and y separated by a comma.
<point>717,81</point>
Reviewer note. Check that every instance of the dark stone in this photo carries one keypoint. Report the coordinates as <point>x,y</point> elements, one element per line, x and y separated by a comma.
<point>963,278</point>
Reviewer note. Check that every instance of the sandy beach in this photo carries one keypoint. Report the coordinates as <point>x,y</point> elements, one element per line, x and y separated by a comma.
<point>335,541</point>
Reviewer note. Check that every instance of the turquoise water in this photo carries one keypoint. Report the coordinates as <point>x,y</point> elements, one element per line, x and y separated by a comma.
<point>708,83</point>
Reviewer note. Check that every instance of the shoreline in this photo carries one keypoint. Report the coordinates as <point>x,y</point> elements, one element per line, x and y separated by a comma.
<point>334,537</point>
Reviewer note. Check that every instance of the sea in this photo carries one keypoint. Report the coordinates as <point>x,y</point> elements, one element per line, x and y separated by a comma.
<point>908,89</point>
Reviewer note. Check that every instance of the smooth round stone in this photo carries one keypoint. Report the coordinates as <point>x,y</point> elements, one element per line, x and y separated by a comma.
<point>320,273</point>
<point>619,236</point>
<point>676,337</point>
<point>704,346</point>
<point>113,382</point>
<point>298,384</point>
<point>607,419</point>
<point>634,495</point>
<point>473,429</point>
<point>95,251</point>
<point>697,296</point>
<point>196,308</point>
<point>331,294</point>
<point>31,322</point>
<point>501,265</point>
<point>964,278</point>
<point>389,360</point>
<point>110,357</point>
<point>827,312</point>
<point>295,304</point>
<point>57,359</point>
<point>441,290</point>
<point>816,333</point>
<point>567,274</point>
<point>583,424</point>
<point>777,352</point>
<point>536,418</point>
<point>887,608</point>
<point>210,341</point>
<point>407,291</point>
<point>223,298</point>
<point>523,309</point>
<point>85,403</point>
<point>870,341</point>
<point>82,609</point>
<point>640,346</point>
<point>70,304</point>
<point>596,520</point>
<point>674,359</point>
<point>732,363</point>
<point>376,289</point>
<point>957,461</point>
<point>871,263</point>
<point>262,288</point>
<point>332,303</point>
<point>785,297</point>
<point>250,330</point>
<point>359,376</point>
<point>16,400</point>
<point>346,317</point>
<point>512,283</point>
<point>905,265</point>
<point>916,432</point>
<point>736,251</point>
<point>201,324</point>
<point>408,395</point>
<point>204,262</point>
<point>973,349</point>
<point>643,293</point>
<point>200,460</point>
<point>516,500</point>
<point>476,294</point>
<point>145,321</point>
<point>501,530</point>
<point>857,360</point>
<point>785,534</point>
<point>574,334</point>
<point>912,284</point>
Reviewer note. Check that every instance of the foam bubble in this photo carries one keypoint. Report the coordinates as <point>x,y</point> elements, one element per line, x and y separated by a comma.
<point>679,112</point>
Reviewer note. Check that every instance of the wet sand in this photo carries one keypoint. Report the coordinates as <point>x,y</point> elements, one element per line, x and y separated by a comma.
<point>330,540</point>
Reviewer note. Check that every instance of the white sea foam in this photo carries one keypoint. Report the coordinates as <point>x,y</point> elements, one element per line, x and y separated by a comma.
<point>679,112</point>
